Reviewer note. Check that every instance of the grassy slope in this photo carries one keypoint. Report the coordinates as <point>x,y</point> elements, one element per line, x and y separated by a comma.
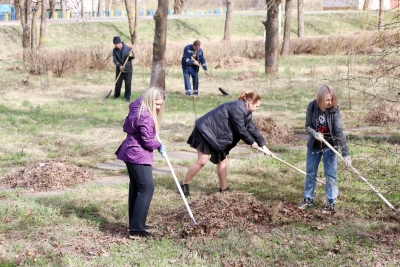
<point>66,120</point>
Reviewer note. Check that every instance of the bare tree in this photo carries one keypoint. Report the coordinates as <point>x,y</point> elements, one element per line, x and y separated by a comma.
<point>286,32</point>
<point>62,3</point>
<point>367,3</point>
<point>25,8</point>
<point>43,26</point>
<point>100,9</point>
<point>300,18</point>
<point>52,9</point>
<point>272,36</point>
<point>381,15</point>
<point>35,16</point>
<point>82,9</point>
<point>228,20</point>
<point>132,19</point>
<point>158,69</point>
<point>178,6</point>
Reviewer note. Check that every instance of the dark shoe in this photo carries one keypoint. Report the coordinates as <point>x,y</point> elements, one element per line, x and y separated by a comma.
<point>127,100</point>
<point>115,97</point>
<point>329,207</point>
<point>305,204</point>
<point>139,234</point>
<point>185,189</point>
<point>225,190</point>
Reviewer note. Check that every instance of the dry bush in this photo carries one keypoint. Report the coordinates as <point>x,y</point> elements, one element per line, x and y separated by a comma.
<point>383,112</point>
<point>273,133</point>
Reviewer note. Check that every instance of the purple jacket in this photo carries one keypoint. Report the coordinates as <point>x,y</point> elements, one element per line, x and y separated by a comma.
<point>139,144</point>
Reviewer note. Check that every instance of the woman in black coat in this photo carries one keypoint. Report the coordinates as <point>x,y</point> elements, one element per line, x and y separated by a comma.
<point>218,131</point>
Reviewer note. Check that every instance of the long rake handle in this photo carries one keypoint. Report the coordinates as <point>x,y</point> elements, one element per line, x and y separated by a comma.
<point>204,71</point>
<point>361,177</point>
<point>284,162</point>
<point>126,60</point>
<point>178,185</point>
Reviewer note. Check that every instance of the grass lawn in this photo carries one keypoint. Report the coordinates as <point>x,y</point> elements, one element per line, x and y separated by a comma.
<point>65,118</point>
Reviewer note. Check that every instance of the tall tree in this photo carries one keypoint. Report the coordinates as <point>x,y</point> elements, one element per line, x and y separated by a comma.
<point>100,9</point>
<point>367,4</point>
<point>300,19</point>
<point>381,15</point>
<point>158,69</point>
<point>43,26</point>
<point>178,6</point>
<point>132,19</point>
<point>62,3</point>
<point>286,31</point>
<point>52,9</point>
<point>272,36</point>
<point>25,8</point>
<point>35,16</point>
<point>228,20</point>
<point>82,9</point>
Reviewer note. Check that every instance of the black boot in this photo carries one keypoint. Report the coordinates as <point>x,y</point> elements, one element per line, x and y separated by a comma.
<point>185,189</point>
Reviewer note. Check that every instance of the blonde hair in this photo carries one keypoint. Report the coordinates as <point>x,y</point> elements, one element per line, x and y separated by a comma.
<point>321,94</point>
<point>148,103</point>
<point>249,97</point>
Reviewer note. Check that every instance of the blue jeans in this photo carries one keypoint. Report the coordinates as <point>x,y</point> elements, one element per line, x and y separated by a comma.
<point>330,171</point>
<point>141,189</point>
<point>187,72</point>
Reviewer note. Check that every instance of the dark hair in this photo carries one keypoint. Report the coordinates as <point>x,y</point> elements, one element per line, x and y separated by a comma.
<point>249,97</point>
<point>196,43</point>
<point>116,40</point>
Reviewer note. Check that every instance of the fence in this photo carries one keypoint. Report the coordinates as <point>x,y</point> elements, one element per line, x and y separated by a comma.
<point>109,13</point>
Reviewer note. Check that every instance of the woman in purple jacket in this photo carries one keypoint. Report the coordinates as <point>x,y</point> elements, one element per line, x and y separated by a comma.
<point>141,126</point>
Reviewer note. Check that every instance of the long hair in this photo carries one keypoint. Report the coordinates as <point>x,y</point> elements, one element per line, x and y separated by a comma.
<point>321,94</point>
<point>249,97</point>
<point>148,103</point>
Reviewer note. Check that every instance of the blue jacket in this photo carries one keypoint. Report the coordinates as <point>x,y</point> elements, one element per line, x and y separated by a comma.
<point>119,57</point>
<point>187,57</point>
<point>140,140</point>
<point>334,124</point>
<point>223,127</point>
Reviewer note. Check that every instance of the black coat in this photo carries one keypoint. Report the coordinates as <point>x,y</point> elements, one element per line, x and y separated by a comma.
<point>223,127</point>
<point>119,58</point>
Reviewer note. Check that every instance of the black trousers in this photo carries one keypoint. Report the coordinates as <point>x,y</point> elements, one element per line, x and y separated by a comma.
<point>141,189</point>
<point>127,77</point>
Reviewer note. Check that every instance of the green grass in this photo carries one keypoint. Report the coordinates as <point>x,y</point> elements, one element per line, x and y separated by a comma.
<point>68,120</point>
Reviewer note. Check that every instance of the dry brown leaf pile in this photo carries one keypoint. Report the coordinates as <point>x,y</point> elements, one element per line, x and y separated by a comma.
<point>273,133</point>
<point>47,175</point>
<point>234,62</point>
<point>384,112</point>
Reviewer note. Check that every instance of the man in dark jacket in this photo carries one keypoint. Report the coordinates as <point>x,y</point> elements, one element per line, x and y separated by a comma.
<point>192,57</point>
<point>122,57</point>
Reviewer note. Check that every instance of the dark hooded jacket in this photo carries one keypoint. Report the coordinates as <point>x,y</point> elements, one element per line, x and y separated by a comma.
<point>223,127</point>
<point>334,124</point>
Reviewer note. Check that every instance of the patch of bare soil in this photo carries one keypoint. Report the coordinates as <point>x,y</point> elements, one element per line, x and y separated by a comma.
<point>235,62</point>
<point>47,176</point>
<point>273,133</point>
<point>383,113</point>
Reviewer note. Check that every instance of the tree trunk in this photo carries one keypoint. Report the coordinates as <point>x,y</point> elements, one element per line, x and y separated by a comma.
<point>25,9</point>
<point>300,19</point>
<point>159,45</point>
<point>381,16</point>
<point>17,4</point>
<point>272,36</point>
<point>100,11</point>
<point>43,27</point>
<point>62,2</point>
<point>52,9</point>
<point>178,6</point>
<point>367,4</point>
<point>35,17</point>
<point>134,38</point>
<point>131,18</point>
<point>228,20</point>
<point>286,31</point>
<point>82,9</point>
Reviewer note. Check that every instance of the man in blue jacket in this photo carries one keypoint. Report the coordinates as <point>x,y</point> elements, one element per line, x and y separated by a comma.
<point>192,58</point>
<point>123,71</point>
